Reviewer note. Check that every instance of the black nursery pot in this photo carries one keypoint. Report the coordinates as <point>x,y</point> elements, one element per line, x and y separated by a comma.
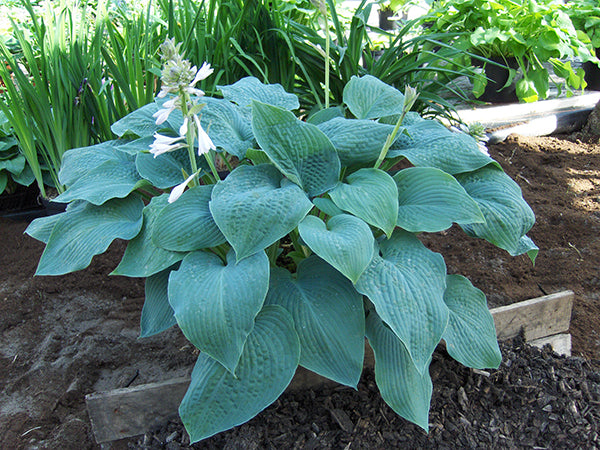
<point>497,78</point>
<point>592,74</point>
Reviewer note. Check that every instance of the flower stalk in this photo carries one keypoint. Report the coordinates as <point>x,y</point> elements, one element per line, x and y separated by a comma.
<point>179,78</point>
<point>410,97</point>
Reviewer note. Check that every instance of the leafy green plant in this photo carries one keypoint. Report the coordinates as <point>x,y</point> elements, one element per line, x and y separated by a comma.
<point>13,167</point>
<point>530,32</point>
<point>51,87</point>
<point>308,243</point>
<point>426,62</point>
<point>585,15</point>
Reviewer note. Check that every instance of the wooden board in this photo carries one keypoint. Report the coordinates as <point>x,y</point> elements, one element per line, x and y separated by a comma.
<point>560,343</point>
<point>127,412</point>
<point>538,317</point>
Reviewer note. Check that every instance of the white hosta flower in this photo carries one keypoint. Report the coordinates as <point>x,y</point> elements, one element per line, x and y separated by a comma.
<point>177,191</point>
<point>163,144</point>
<point>163,114</point>
<point>204,72</point>
<point>183,129</point>
<point>205,143</point>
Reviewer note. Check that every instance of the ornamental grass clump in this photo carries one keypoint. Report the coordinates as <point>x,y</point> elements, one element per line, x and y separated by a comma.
<point>274,242</point>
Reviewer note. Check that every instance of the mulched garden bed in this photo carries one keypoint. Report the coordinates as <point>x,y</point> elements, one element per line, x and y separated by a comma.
<point>536,399</point>
<point>64,337</point>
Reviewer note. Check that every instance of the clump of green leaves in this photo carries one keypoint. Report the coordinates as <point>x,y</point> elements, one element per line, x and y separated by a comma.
<point>308,243</point>
<point>531,32</point>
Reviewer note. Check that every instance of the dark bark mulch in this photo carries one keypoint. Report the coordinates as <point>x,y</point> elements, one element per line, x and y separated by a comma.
<point>536,399</point>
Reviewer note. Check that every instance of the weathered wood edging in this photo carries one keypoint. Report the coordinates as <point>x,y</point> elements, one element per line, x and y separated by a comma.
<point>132,411</point>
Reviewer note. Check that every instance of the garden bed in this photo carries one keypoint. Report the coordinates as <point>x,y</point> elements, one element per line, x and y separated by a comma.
<point>65,337</point>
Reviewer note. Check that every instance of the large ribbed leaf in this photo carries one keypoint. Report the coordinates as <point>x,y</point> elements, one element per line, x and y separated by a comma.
<point>114,178</point>
<point>406,390</point>
<point>216,400</point>
<point>431,200</point>
<point>226,126</point>
<point>157,314</point>
<point>165,170</point>
<point>300,150</point>
<point>328,316</point>
<point>370,98</point>
<point>471,335</point>
<point>356,141</point>
<point>507,216</point>
<point>42,227</point>
<point>215,303</point>
<point>77,162</point>
<point>142,257</point>
<point>255,206</point>
<point>83,232</point>
<point>187,224</point>
<point>327,206</point>
<point>139,122</point>
<point>244,91</point>
<point>370,194</point>
<point>346,242</point>
<point>430,144</point>
<point>406,284</point>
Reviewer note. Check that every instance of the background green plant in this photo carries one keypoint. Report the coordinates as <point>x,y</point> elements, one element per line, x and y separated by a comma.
<point>585,15</point>
<point>72,69</point>
<point>531,32</point>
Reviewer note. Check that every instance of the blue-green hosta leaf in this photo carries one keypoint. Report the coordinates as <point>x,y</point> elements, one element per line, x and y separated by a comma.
<point>325,114</point>
<point>370,194</point>
<point>187,224</point>
<point>430,146</point>
<point>255,206</point>
<point>406,284</point>
<point>370,98</point>
<point>83,232</point>
<point>13,165</point>
<point>507,216</point>
<point>526,245</point>
<point>139,122</point>
<point>26,177</point>
<point>431,200</point>
<point>356,141</point>
<point>227,127</point>
<point>42,227</point>
<point>215,303</point>
<point>471,335</point>
<point>346,242</point>
<point>216,400</point>
<point>164,171</point>
<point>299,150</point>
<point>328,316</point>
<point>244,91</point>
<point>157,314</point>
<point>406,390</point>
<point>115,178</point>
<point>419,132</point>
<point>327,206</point>
<point>3,181</point>
<point>78,162</point>
<point>142,257</point>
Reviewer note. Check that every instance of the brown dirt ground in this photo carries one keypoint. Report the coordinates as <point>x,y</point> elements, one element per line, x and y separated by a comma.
<point>64,337</point>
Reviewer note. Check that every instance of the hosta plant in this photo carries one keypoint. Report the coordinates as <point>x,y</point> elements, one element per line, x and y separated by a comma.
<point>274,242</point>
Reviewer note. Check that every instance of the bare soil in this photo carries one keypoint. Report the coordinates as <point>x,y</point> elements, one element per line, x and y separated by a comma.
<point>64,337</point>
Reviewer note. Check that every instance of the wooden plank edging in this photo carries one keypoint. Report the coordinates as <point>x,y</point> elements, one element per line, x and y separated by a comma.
<point>132,411</point>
